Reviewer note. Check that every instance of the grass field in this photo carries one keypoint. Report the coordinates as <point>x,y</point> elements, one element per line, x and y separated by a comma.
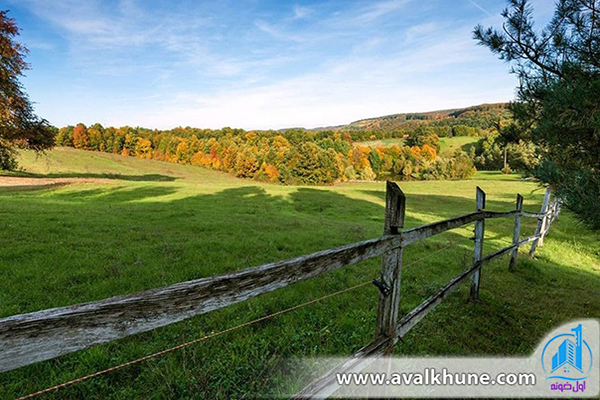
<point>85,226</point>
<point>382,142</point>
<point>447,145</point>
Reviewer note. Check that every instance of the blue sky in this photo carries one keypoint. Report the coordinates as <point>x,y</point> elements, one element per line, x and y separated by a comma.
<point>256,64</point>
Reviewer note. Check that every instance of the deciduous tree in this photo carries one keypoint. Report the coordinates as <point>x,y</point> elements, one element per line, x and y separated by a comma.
<point>19,126</point>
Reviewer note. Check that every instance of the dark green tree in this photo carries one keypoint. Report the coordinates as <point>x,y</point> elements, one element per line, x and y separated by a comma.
<point>65,136</point>
<point>375,161</point>
<point>19,126</point>
<point>424,135</point>
<point>558,98</point>
<point>314,165</point>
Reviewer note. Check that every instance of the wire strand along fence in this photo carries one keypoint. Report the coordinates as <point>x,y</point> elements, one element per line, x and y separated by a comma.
<point>29,338</point>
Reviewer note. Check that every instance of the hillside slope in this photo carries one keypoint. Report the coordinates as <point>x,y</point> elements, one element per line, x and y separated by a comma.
<point>482,116</point>
<point>141,224</point>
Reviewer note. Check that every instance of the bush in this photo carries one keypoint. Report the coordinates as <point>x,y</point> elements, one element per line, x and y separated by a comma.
<point>367,174</point>
<point>350,173</point>
<point>8,159</point>
<point>459,167</point>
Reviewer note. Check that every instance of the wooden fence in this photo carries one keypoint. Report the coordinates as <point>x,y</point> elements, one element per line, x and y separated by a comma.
<point>28,338</point>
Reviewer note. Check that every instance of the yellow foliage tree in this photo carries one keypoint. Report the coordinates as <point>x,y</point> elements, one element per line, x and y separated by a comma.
<point>182,152</point>
<point>143,148</point>
<point>272,172</point>
<point>359,158</point>
<point>428,152</point>
<point>416,150</point>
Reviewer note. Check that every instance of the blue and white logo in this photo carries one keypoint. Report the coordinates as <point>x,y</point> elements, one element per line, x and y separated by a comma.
<point>567,356</point>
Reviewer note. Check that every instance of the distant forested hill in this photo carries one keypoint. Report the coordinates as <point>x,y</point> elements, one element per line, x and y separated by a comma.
<point>468,121</point>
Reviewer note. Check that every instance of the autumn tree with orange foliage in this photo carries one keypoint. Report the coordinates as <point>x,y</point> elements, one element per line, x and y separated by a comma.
<point>81,139</point>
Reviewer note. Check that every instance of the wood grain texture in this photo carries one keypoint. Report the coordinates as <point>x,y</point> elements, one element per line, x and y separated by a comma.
<point>541,222</point>
<point>413,235</point>
<point>478,245</point>
<point>395,208</point>
<point>391,264</point>
<point>516,233</point>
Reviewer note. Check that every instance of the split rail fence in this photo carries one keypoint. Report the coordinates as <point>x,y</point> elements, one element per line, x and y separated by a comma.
<point>29,338</point>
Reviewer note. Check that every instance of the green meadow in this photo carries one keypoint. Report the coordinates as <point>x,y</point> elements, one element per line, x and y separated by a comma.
<point>448,146</point>
<point>84,226</point>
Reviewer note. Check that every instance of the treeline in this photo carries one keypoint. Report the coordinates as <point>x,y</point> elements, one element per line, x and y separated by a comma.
<point>473,121</point>
<point>294,156</point>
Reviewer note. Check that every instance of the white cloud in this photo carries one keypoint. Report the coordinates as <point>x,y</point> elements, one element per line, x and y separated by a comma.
<point>421,30</point>
<point>269,29</point>
<point>346,90</point>
<point>301,12</point>
<point>380,9</point>
<point>76,17</point>
<point>139,66</point>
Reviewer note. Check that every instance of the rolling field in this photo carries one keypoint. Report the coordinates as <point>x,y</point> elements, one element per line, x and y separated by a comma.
<point>80,226</point>
<point>447,145</point>
<point>382,142</point>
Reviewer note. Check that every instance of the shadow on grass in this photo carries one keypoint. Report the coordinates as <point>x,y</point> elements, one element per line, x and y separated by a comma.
<point>31,188</point>
<point>111,242</point>
<point>467,147</point>
<point>139,234</point>
<point>133,178</point>
<point>119,194</point>
<point>441,206</point>
<point>202,235</point>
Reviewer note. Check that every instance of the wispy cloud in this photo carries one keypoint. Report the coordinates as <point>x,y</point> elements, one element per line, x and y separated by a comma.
<point>350,88</point>
<point>211,64</point>
<point>380,9</point>
<point>477,5</point>
<point>422,30</point>
<point>265,27</point>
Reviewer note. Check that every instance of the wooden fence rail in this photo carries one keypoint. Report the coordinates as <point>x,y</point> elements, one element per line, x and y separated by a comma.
<point>382,345</point>
<point>28,338</point>
<point>46,334</point>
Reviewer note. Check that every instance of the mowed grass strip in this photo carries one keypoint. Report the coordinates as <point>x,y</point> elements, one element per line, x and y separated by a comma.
<point>148,224</point>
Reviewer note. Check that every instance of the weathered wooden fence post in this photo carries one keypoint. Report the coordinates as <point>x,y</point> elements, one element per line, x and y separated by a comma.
<point>391,266</point>
<point>552,213</point>
<point>546,223</point>
<point>516,234</point>
<point>541,223</point>
<point>478,246</point>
